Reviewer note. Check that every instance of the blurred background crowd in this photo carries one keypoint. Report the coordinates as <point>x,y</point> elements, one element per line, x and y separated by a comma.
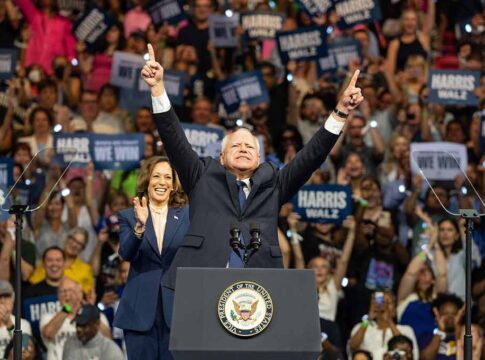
<point>390,279</point>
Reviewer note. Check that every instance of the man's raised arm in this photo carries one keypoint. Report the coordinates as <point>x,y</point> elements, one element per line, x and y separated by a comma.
<point>180,152</point>
<point>298,171</point>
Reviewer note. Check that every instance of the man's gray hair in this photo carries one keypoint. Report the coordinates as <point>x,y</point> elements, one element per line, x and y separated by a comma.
<point>226,139</point>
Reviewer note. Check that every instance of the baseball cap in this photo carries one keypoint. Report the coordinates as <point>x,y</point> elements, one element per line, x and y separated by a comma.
<point>87,314</point>
<point>5,288</point>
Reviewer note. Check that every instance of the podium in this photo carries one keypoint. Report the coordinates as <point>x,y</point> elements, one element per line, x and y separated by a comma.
<point>197,331</point>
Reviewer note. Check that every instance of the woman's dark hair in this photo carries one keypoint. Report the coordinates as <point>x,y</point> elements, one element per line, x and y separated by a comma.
<point>447,298</point>
<point>457,245</point>
<point>40,109</point>
<point>107,88</point>
<point>37,348</point>
<point>362,352</point>
<point>399,339</point>
<point>177,196</point>
<point>102,45</point>
<point>298,140</point>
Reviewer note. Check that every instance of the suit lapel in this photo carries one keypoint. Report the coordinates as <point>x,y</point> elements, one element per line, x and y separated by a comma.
<point>173,222</point>
<point>150,234</point>
<point>231,184</point>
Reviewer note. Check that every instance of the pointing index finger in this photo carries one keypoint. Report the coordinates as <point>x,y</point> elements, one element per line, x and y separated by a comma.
<point>151,53</point>
<point>353,81</point>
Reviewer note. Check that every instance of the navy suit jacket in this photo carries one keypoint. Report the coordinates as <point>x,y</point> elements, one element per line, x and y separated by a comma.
<point>214,202</point>
<point>141,295</point>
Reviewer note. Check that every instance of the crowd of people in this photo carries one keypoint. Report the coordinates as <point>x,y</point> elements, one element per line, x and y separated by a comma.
<point>390,279</point>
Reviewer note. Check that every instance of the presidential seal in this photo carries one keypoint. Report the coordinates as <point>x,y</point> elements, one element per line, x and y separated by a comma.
<point>245,309</point>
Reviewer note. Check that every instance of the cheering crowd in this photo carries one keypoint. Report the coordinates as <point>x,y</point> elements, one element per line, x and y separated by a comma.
<point>390,277</point>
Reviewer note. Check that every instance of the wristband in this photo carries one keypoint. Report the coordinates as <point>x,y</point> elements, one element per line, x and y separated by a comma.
<point>365,321</point>
<point>341,113</point>
<point>11,328</point>
<point>440,333</point>
<point>422,255</point>
<point>67,308</point>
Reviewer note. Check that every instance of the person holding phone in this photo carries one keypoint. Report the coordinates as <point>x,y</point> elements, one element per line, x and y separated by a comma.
<point>378,326</point>
<point>150,234</point>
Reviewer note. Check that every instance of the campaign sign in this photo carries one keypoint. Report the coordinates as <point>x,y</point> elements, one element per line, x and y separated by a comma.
<point>315,8</point>
<point>340,54</point>
<point>174,82</point>
<point>304,44</point>
<point>71,5</point>
<point>437,159</point>
<point>169,11</point>
<point>222,30</point>
<point>204,140</point>
<point>125,69</point>
<point>260,25</point>
<point>8,62</point>
<point>92,26</point>
<point>248,87</point>
<point>453,87</point>
<point>353,12</point>
<point>116,152</point>
<point>6,180</point>
<point>72,147</point>
<point>36,307</point>
<point>323,203</point>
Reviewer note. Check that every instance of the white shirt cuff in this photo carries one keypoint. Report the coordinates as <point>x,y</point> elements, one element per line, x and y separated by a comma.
<point>332,125</point>
<point>161,103</point>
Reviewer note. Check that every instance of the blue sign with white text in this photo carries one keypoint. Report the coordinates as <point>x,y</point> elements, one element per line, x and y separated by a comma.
<point>205,141</point>
<point>166,11</point>
<point>340,54</point>
<point>248,87</point>
<point>304,44</point>
<point>92,26</point>
<point>453,87</point>
<point>35,308</point>
<point>107,152</point>
<point>315,8</point>
<point>174,82</point>
<point>8,62</point>
<point>353,12</point>
<point>260,25</point>
<point>323,203</point>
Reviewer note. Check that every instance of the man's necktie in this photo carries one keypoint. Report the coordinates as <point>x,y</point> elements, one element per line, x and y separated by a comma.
<point>234,260</point>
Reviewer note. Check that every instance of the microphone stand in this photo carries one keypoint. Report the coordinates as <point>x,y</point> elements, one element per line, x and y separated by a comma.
<point>18,211</point>
<point>469,215</point>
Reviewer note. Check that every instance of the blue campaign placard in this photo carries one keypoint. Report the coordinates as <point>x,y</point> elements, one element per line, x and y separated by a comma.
<point>453,87</point>
<point>166,11</point>
<point>353,12</point>
<point>261,25</point>
<point>174,82</point>
<point>72,147</point>
<point>323,203</point>
<point>116,152</point>
<point>34,308</point>
<point>308,43</point>
<point>248,87</point>
<point>223,30</point>
<point>8,63</point>
<point>205,141</point>
<point>315,8</point>
<point>340,54</point>
<point>92,26</point>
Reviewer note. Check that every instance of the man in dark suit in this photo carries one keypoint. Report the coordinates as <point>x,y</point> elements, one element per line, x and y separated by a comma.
<point>237,189</point>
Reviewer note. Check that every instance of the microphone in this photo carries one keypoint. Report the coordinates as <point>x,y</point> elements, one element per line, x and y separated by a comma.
<point>234,241</point>
<point>255,232</point>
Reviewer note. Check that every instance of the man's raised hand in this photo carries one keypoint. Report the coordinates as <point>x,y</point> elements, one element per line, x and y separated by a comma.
<point>152,73</point>
<point>352,96</point>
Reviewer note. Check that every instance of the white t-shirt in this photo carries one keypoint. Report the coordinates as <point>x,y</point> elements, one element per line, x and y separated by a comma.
<point>68,328</point>
<point>5,336</point>
<point>328,301</point>
<point>376,344</point>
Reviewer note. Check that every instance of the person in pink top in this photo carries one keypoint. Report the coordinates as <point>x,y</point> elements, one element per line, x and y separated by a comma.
<point>50,34</point>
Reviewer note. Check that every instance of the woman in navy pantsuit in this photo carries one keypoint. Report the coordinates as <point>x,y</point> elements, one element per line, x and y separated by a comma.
<point>150,234</point>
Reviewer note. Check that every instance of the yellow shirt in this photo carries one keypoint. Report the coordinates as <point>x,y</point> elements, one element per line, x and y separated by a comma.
<point>79,271</point>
